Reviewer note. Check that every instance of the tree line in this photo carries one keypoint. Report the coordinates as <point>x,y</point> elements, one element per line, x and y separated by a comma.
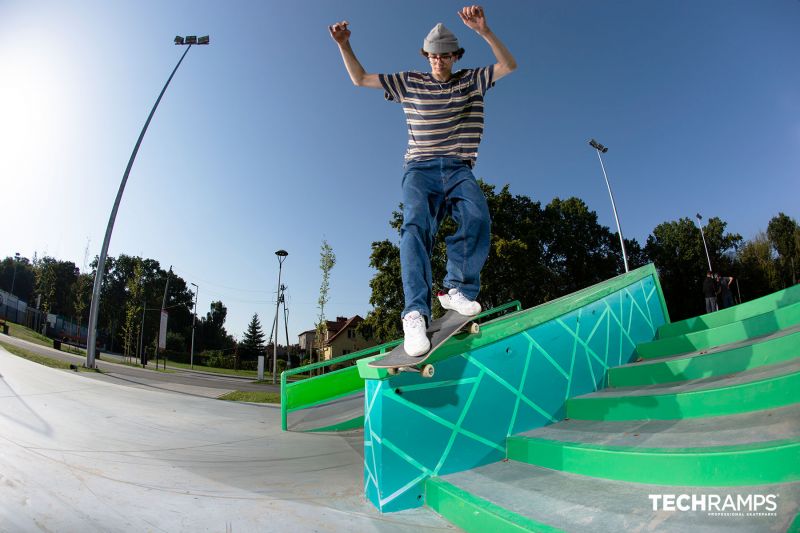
<point>131,298</point>
<point>539,253</point>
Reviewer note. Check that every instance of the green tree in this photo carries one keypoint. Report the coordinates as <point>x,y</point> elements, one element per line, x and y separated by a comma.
<point>327,260</point>
<point>24,279</point>
<point>677,250</point>
<point>133,310</point>
<point>81,299</point>
<point>113,298</point>
<point>784,235</point>
<point>535,255</point>
<point>580,252</point>
<point>252,344</point>
<point>759,271</point>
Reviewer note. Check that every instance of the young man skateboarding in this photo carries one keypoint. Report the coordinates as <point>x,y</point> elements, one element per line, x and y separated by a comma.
<point>444,113</point>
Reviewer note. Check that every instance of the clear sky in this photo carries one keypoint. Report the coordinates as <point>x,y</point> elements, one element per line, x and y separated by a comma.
<point>262,142</point>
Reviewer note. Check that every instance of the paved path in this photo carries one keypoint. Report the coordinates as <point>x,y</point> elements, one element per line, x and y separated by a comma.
<point>79,454</point>
<point>183,381</point>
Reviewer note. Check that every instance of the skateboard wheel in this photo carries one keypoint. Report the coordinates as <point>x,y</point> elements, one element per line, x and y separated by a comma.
<point>427,371</point>
<point>391,371</point>
<point>474,328</point>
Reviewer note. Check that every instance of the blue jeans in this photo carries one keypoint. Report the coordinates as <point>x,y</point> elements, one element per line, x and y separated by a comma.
<point>431,190</point>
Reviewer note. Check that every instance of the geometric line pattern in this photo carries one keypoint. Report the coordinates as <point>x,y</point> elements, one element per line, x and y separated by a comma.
<point>460,418</point>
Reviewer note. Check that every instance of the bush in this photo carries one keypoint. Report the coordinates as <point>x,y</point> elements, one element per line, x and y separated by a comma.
<point>217,359</point>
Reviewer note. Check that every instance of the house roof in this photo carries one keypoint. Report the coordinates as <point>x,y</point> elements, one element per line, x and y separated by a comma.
<point>354,321</point>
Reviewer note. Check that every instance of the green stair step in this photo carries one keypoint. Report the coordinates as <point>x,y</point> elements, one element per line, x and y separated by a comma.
<point>782,346</point>
<point>763,388</point>
<point>747,428</point>
<point>576,503</point>
<point>751,328</point>
<point>736,313</point>
<point>474,514</point>
<point>743,464</point>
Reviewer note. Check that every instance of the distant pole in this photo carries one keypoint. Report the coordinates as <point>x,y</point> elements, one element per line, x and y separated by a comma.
<point>600,148</point>
<point>14,277</point>
<point>703,236</point>
<point>13,281</point>
<point>94,309</point>
<point>194,317</point>
<point>281,258</point>
<point>286,325</point>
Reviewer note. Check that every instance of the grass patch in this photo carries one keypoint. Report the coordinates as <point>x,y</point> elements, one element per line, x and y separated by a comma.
<point>41,359</point>
<point>27,334</point>
<point>252,396</point>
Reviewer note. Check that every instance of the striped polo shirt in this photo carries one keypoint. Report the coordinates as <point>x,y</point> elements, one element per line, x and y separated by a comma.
<point>445,119</point>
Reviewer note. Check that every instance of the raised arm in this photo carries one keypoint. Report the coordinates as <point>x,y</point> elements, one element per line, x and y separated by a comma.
<point>475,19</point>
<point>341,35</point>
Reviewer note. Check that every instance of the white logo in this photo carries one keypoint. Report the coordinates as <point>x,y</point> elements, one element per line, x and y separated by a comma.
<point>718,505</point>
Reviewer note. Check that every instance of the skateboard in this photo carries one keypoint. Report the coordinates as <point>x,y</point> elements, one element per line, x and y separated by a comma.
<point>438,332</point>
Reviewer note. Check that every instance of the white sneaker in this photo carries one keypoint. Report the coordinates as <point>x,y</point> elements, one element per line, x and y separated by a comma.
<point>454,299</point>
<point>416,342</point>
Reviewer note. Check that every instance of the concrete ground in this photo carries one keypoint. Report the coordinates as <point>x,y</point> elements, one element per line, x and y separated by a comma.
<point>177,380</point>
<point>82,454</point>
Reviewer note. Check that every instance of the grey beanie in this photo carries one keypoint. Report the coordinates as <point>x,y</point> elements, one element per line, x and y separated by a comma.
<point>440,40</point>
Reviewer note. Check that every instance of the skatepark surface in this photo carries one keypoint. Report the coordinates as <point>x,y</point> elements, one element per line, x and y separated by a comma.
<point>81,454</point>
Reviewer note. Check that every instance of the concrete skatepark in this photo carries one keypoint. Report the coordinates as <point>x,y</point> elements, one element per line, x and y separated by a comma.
<point>564,417</point>
<point>80,454</point>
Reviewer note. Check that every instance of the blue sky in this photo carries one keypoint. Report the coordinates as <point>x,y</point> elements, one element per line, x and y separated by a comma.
<point>262,143</point>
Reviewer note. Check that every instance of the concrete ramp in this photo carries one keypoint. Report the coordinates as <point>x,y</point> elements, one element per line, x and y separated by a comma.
<point>79,454</point>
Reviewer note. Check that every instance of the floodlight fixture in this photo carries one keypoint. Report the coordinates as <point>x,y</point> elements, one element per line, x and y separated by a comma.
<point>597,146</point>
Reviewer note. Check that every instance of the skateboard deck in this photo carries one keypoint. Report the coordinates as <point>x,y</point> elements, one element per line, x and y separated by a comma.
<point>438,332</point>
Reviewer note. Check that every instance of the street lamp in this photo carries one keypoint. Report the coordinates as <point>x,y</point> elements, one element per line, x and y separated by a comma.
<point>13,281</point>
<point>703,236</point>
<point>14,277</point>
<point>600,148</point>
<point>281,258</point>
<point>94,309</point>
<point>194,317</point>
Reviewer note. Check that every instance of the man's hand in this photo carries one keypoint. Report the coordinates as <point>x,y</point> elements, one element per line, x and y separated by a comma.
<point>339,32</point>
<point>474,19</point>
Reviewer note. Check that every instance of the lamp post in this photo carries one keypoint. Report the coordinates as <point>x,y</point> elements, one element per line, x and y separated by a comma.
<point>14,277</point>
<point>94,309</point>
<point>13,281</point>
<point>600,148</point>
<point>703,236</point>
<point>194,317</point>
<point>281,258</point>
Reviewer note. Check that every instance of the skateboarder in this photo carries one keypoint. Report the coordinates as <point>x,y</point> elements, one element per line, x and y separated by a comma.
<point>444,114</point>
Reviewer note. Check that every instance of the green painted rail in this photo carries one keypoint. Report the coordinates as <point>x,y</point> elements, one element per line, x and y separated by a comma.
<point>719,363</point>
<point>326,387</point>
<point>757,326</point>
<point>736,313</point>
<point>344,382</point>
<point>743,464</point>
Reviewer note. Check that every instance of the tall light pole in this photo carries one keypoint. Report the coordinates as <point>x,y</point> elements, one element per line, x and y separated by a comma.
<point>703,236</point>
<point>600,148</point>
<point>281,258</point>
<point>13,281</point>
<point>194,317</point>
<point>94,309</point>
<point>14,277</point>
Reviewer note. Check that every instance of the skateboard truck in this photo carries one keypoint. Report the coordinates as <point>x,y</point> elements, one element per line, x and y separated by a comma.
<point>427,370</point>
